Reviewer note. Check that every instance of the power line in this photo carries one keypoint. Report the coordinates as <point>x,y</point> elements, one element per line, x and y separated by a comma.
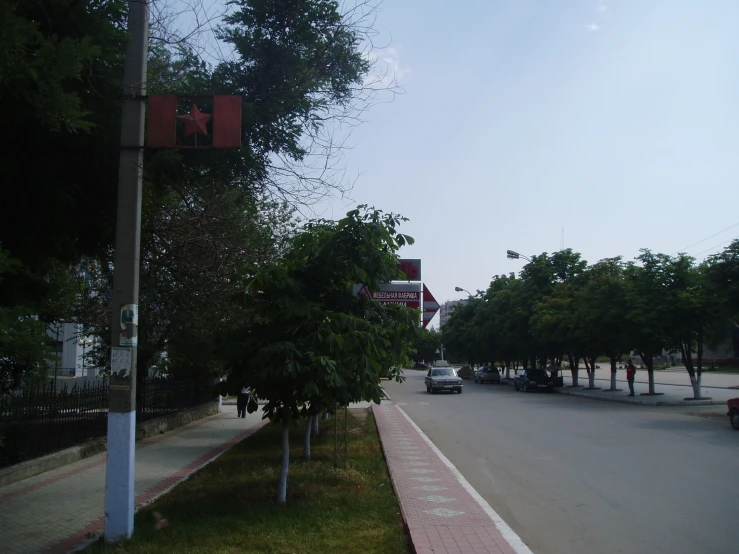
<point>705,239</point>
<point>714,247</point>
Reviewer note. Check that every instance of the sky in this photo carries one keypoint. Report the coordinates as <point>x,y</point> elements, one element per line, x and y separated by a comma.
<point>607,126</point>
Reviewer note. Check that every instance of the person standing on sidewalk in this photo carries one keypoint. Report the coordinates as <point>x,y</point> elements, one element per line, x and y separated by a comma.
<point>242,401</point>
<point>630,374</point>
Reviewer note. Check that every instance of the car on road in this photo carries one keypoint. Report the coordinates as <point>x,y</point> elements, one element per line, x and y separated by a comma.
<point>534,379</point>
<point>487,374</point>
<point>443,379</point>
<point>734,412</point>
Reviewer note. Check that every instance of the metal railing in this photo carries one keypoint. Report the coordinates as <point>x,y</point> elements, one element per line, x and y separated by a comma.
<point>39,421</point>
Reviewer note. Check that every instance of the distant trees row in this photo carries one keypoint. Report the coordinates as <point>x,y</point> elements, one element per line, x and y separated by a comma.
<point>560,308</point>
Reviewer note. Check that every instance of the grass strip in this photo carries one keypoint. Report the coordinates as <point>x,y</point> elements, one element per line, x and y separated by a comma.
<point>229,506</point>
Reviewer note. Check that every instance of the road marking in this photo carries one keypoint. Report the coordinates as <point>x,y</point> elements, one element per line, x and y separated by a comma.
<point>430,488</point>
<point>444,512</point>
<point>436,498</point>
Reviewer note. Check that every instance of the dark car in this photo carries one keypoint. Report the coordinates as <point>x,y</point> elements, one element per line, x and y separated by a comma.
<point>535,379</point>
<point>734,412</point>
<point>487,374</point>
<point>443,379</point>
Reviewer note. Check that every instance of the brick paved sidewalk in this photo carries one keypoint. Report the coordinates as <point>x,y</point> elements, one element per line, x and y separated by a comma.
<point>444,514</point>
<point>58,511</point>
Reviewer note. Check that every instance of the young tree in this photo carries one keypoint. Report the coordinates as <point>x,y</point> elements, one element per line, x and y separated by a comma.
<point>307,340</point>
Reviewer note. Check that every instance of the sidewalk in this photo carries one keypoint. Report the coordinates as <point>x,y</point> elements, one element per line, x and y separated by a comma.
<point>671,376</point>
<point>444,514</point>
<point>671,395</point>
<point>58,511</point>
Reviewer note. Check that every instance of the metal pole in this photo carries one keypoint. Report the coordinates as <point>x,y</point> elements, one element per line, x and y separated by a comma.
<point>119,473</point>
<point>336,431</point>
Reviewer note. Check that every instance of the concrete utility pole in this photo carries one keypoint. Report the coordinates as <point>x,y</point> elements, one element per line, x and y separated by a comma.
<point>119,473</point>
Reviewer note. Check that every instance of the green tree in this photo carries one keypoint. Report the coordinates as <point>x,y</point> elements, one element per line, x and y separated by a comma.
<point>648,305</point>
<point>602,311</point>
<point>426,345</point>
<point>308,342</point>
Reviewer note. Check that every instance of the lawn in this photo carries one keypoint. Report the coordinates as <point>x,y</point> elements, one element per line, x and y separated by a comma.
<point>229,505</point>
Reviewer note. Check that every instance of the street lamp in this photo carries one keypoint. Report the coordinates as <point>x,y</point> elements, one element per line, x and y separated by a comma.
<point>513,255</point>
<point>460,289</point>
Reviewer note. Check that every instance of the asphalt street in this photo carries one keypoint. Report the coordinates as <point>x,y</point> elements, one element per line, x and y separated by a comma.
<point>579,476</point>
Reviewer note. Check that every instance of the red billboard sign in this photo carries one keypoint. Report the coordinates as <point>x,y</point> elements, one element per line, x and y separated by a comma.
<point>411,268</point>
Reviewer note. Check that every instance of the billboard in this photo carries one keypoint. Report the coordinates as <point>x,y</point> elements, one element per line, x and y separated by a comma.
<point>411,268</point>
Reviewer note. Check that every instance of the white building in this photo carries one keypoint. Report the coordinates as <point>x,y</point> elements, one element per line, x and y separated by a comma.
<point>446,309</point>
<point>71,347</point>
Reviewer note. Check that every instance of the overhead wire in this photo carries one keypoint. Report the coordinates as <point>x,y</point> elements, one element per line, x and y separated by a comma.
<point>705,239</point>
<point>714,247</point>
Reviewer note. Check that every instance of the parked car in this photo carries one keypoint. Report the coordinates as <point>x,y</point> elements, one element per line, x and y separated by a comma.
<point>734,412</point>
<point>487,374</point>
<point>443,379</point>
<point>535,379</point>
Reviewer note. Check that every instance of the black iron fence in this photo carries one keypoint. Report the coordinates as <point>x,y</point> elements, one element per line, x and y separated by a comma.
<point>159,397</point>
<point>37,422</point>
<point>41,421</point>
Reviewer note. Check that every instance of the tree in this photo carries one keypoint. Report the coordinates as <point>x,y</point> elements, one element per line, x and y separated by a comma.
<point>426,345</point>
<point>693,311</point>
<point>722,272</point>
<point>602,314</point>
<point>460,336</point>
<point>648,305</point>
<point>308,342</point>
<point>555,322</point>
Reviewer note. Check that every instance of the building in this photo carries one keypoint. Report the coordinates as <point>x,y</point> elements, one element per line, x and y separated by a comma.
<point>71,347</point>
<point>447,308</point>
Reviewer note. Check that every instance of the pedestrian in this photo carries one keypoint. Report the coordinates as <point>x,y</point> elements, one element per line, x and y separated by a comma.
<point>630,374</point>
<point>241,401</point>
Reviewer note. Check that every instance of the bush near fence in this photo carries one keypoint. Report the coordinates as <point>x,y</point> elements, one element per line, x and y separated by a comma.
<point>38,422</point>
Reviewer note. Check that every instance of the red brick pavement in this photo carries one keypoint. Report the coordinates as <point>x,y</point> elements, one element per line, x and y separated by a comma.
<point>63,509</point>
<point>444,514</point>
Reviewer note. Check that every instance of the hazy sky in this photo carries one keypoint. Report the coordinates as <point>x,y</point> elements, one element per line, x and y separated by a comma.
<point>616,120</point>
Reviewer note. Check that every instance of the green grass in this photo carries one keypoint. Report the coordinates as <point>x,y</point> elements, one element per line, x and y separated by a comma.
<point>229,506</point>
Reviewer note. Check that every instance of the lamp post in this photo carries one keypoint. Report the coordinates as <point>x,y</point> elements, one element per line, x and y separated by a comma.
<point>84,343</point>
<point>460,289</point>
<point>513,255</point>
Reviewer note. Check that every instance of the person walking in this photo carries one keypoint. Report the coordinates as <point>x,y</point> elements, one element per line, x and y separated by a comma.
<point>242,401</point>
<point>630,374</point>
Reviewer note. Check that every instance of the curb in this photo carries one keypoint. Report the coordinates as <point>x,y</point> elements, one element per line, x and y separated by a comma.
<point>706,402</point>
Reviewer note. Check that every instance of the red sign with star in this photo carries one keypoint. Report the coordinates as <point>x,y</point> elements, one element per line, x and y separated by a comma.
<point>219,129</point>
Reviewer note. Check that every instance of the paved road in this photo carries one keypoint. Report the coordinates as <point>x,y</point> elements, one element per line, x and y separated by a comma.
<point>577,476</point>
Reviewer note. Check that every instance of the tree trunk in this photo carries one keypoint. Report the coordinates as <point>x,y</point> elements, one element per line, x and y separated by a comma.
<point>614,361</point>
<point>590,369</point>
<point>695,381</point>
<point>282,487</point>
<point>308,429</point>
<point>507,369</point>
<point>574,369</point>
<point>648,361</point>
<point>699,366</point>
<point>316,428</point>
